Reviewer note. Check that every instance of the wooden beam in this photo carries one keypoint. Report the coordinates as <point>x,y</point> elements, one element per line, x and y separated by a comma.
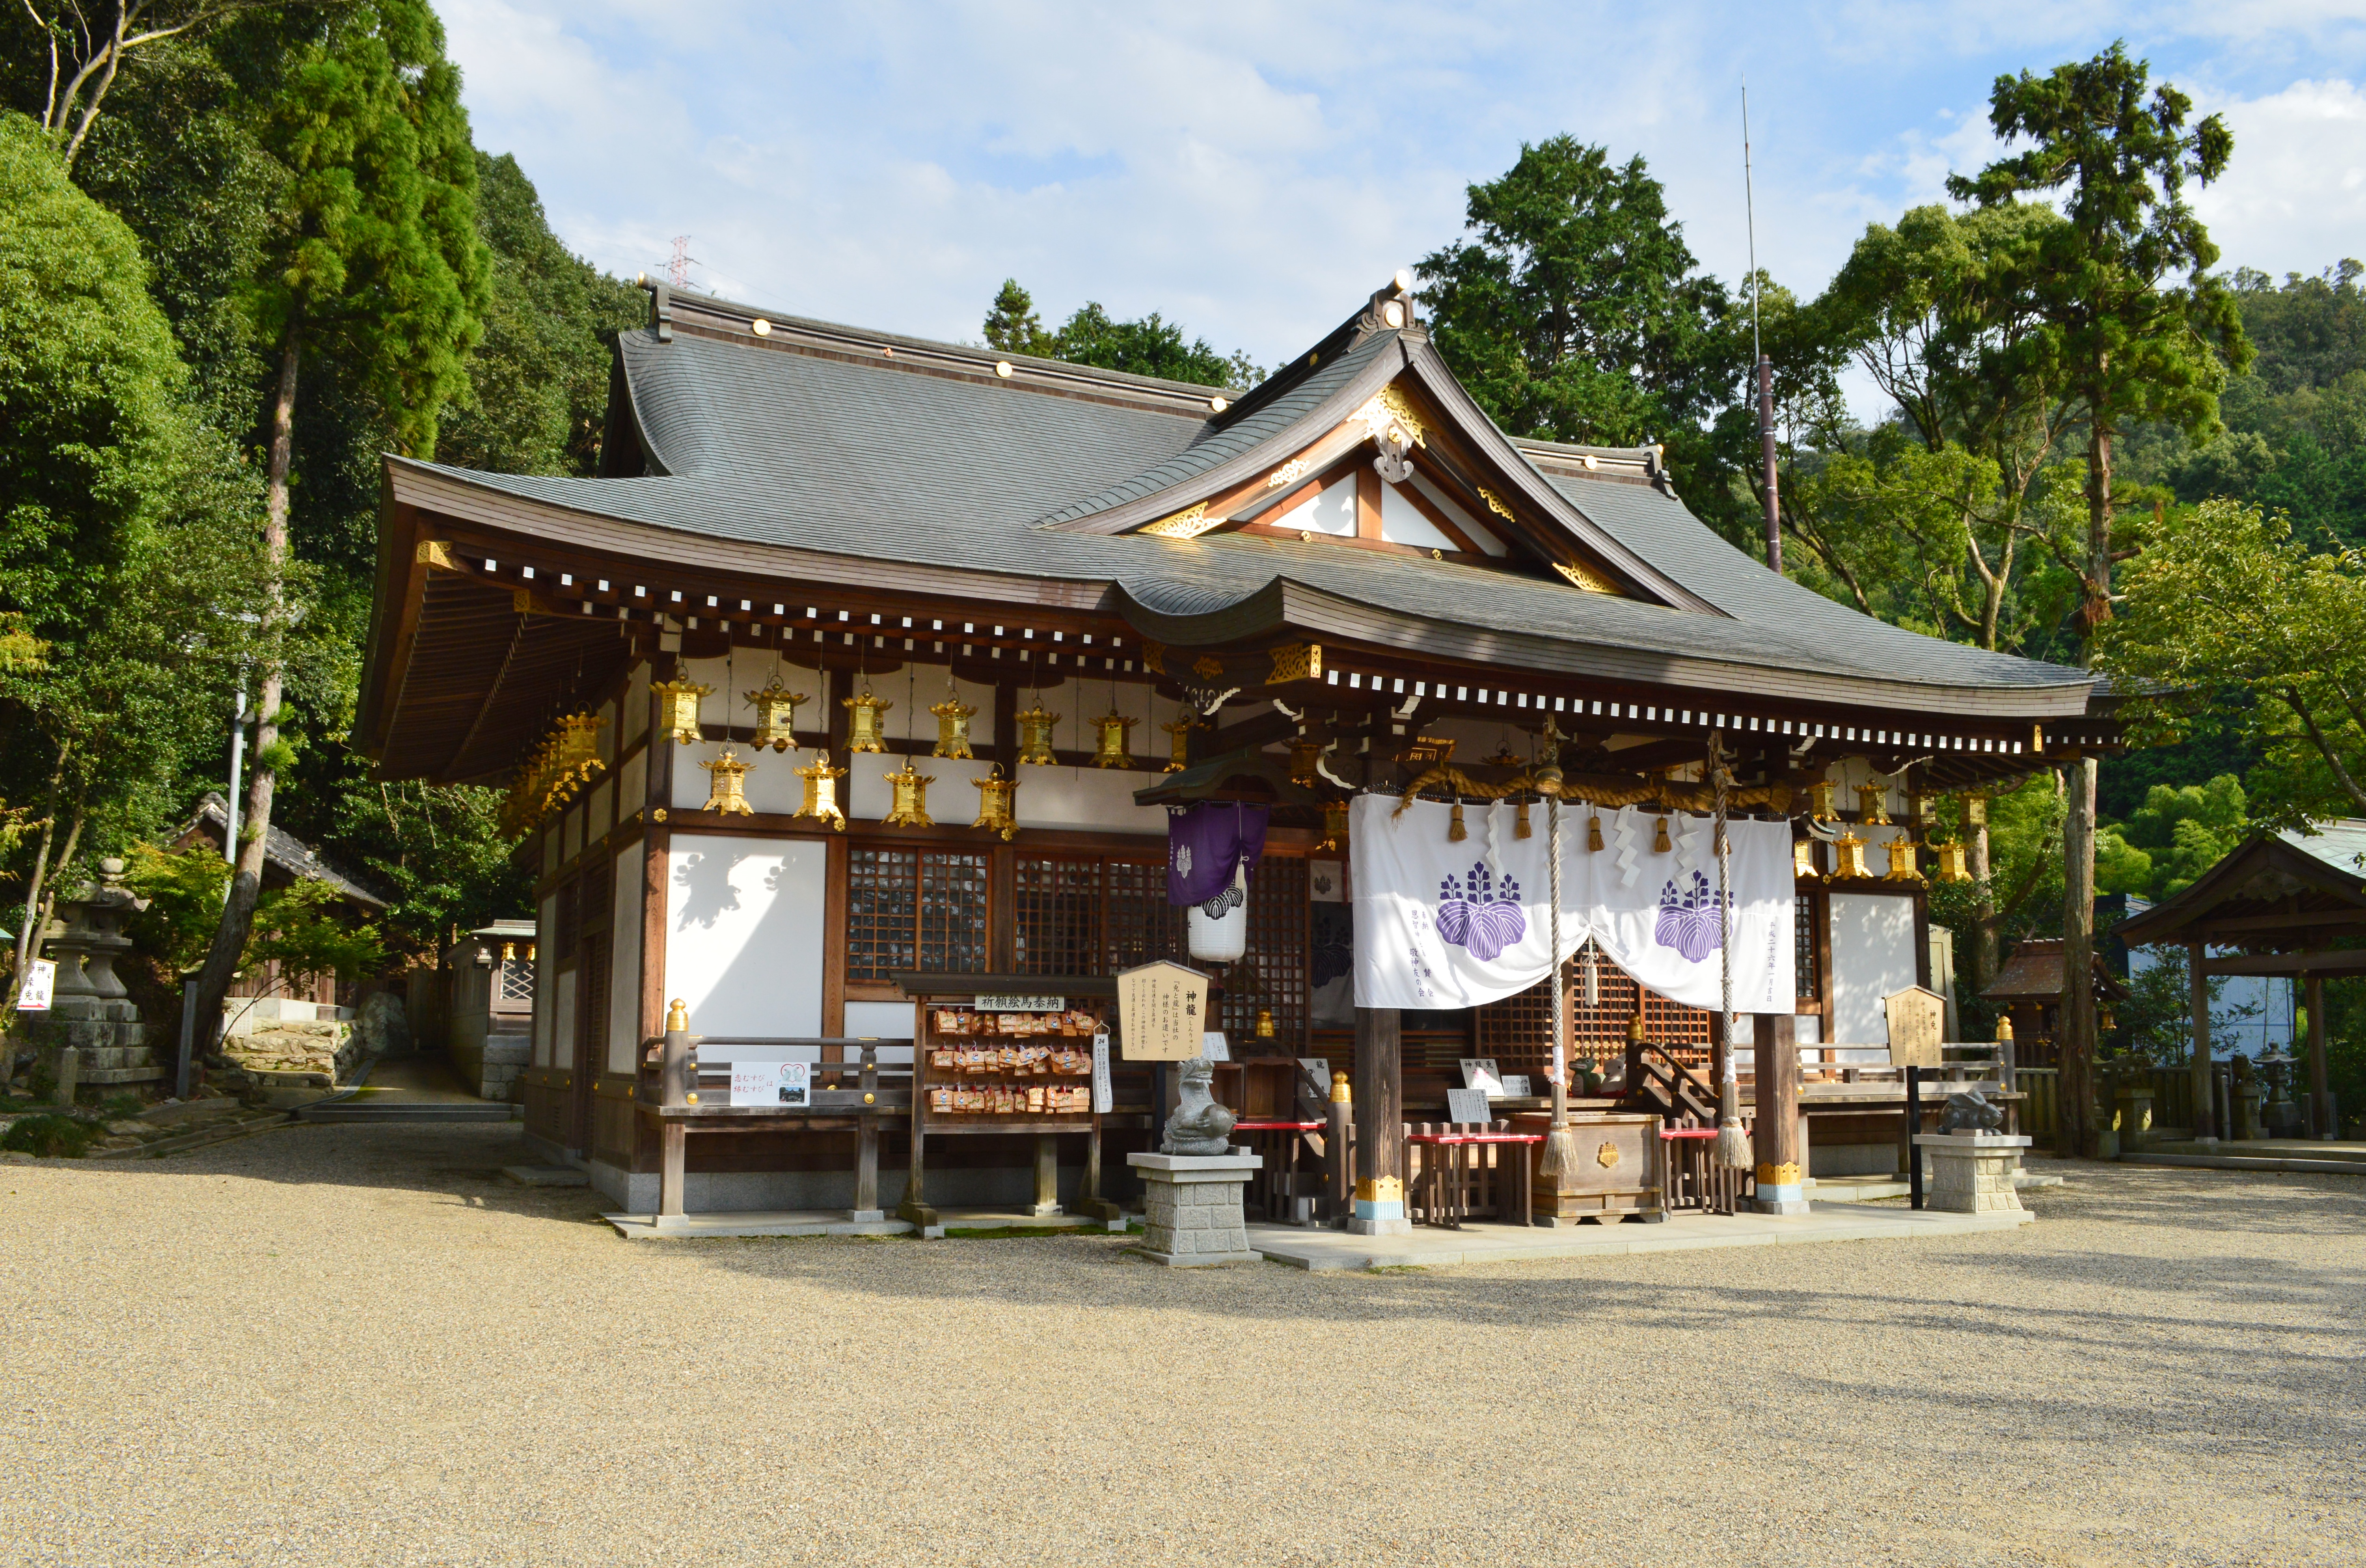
<point>2320,920</point>
<point>2325,961</point>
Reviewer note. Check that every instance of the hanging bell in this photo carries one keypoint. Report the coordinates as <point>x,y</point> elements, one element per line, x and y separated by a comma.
<point>910,806</point>
<point>1873,802</point>
<point>821,792</point>
<point>952,727</point>
<point>677,708</point>
<point>1802,860</point>
<point>1848,858</point>
<point>997,802</point>
<point>1953,865</point>
<point>1456,830</point>
<point>1520,829</point>
<point>727,789</point>
<point>1035,735</point>
<point>862,715</point>
<point>1179,742</point>
<point>1901,860</point>
<point>1303,750</point>
<point>1110,750</point>
<point>776,717</point>
<point>1822,806</point>
<point>1594,832</point>
<point>1334,826</point>
<point>1659,844</point>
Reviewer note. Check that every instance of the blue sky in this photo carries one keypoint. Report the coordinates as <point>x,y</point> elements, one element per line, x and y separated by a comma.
<point>1255,171</point>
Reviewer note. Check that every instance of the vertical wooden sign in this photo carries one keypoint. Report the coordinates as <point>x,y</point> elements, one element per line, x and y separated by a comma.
<point>1162,1012</point>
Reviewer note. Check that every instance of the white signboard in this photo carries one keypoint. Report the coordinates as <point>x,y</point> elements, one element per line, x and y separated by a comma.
<point>1102,1097</point>
<point>1163,1009</point>
<point>41,980</point>
<point>1480,1073</point>
<point>780,1086</point>
<point>1212,1046</point>
<point>1464,1106</point>
<point>1022,1004</point>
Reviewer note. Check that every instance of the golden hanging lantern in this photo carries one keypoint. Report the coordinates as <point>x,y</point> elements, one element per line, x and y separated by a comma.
<point>1265,1023</point>
<point>1975,810</point>
<point>1334,825</point>
<point>1873,802</point>
<point>1848,858</point>
<point>1179,742</point>
<point>1821,806</point>
<point>1953,864</point>
<point>997,804</point>
<point>1035,735</point>
<point>1922,810</point>
<point>1110,750</point>
<point>910,808</point>
<point>1901,860</point>
<point>1303,751</point>
<point>579,741</point>
<point>776,715</point>
<point>821,792</point>
<point>1802,860</point>
<point>726,787</point>
<point>953,725</point>
<point>677,709</point>
<point>862,715</point>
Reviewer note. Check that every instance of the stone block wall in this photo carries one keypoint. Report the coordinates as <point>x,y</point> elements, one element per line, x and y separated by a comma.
<point>1192,1217</point>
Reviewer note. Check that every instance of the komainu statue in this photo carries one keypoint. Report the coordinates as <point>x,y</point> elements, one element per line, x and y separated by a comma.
<point>1200,1125</point>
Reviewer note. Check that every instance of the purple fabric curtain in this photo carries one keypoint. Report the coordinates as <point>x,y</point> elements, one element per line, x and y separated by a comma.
<point>1205,843</point>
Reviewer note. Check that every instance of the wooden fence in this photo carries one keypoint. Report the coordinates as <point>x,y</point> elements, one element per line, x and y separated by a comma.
<point>2041,1114</point>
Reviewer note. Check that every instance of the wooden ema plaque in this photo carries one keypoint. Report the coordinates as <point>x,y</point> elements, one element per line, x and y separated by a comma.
<point>1162,1012</point>
<point>1917,1019</point>
<point>1002,1069</point>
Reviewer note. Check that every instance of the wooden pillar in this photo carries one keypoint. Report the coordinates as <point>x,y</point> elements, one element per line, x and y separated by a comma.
<point>1047,1174</point>
<point>866,1145</point>
<point>1379,1123</point>
<point>2320,1095</point>
<point>2076,1033</point>
<point>2205,1122</point>
<point>1775,1048</point>
<point>674,1141</point>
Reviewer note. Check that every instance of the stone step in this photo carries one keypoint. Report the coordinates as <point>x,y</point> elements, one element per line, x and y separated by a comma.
<point>415,1111</point>
<point>121,1074</point>
<point>218,1130</point>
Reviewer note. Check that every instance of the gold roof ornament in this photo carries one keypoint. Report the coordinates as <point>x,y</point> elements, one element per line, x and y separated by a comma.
<point>1954,865</point>
<point>1110,750</point>
<point>776,715</point>
<point>727,789</point>
<point>952,727</point>
<point>677,709</point>
<point>1873,802</point>
<point>821,792</point>
<point>1802,860</point>
<point>1303,751</point>
<point>1293,661</point>
<point>864,732</point>
<point>910,806</point>
<point>1334,826</point>
<point>1178,747</point>
<point>1848,858</point>
<point>1822,806</point>
<point>1035,735</point>
<point>1901,860</point>
<point>997,804</point>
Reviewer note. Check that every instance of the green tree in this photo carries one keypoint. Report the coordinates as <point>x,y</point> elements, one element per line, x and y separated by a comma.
<point>1575,312</point>
<point>1150,346</point>
<point>2227,617</point>
<point>377,266</point>
<point>1012,325</point>
<point>81,48</point>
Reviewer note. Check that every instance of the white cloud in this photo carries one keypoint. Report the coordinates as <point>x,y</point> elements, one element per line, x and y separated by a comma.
<point>2294,195</point>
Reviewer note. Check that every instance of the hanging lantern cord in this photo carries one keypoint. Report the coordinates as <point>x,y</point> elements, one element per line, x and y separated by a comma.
<point>1732,1143</point>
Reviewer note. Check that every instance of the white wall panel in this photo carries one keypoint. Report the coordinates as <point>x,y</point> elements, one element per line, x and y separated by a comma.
<point>544,950</point>
<point>625,964</point>
<point>744,933</point>
<point>1331,510</point>
<point>1402,522</point>
<point>1873,958</point>
<point>1100,799</point>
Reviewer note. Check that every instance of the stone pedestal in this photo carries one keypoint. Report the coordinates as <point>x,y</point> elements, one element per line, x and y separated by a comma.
<point>1971,1173</point>
<point>2133,1114</point>
<point>1192,1207</point>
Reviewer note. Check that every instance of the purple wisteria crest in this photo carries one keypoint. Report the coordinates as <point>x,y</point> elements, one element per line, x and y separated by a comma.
<point>1689,921</point>
<point>1482,918</point>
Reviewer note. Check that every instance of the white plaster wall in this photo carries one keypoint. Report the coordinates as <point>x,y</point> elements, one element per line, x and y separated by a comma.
<point>1403,524</point>
<point>1331,510</point>
<point>546,926</point>
<point>1480,533</point>
<point>625,964</point>
<point>562,1044</point>
<point>1100,799</point>
<point>570,843</point>
<point>637,705</point>
<point>600,809</point>
<point>769,784</point>
<point>882,1021</point>
<point>607,737</point>
<point>1873,958</point>
<point>633,785</point>
<point>744,933</point>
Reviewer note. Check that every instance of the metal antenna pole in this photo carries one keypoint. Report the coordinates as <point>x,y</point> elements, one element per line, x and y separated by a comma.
<point>1762,368</point>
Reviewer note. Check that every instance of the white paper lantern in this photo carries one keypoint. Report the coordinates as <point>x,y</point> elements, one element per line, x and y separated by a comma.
<point>1222,937</point>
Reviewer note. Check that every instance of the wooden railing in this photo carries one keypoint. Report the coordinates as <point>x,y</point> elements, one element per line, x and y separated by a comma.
<point>1681,1096</point>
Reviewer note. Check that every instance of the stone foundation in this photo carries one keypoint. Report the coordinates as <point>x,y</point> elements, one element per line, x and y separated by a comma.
<point>1192,1207</point>
<point>1972,1173</point>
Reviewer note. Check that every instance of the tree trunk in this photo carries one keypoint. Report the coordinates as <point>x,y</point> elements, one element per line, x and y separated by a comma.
<point>1983,908</point>
<point>246,881</point>
<point>2076,1034</point>
<point>2095,592</point>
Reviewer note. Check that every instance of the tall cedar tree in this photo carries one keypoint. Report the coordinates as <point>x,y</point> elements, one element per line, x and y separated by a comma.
<point>377,265</point>
<point>2127,341</point>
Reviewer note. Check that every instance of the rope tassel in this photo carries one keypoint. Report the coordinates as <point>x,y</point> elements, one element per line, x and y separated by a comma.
<point>1732,1143</point>
<point>1458,833</point>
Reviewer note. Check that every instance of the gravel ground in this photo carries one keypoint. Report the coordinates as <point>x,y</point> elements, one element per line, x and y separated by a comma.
<point>358,1344</point>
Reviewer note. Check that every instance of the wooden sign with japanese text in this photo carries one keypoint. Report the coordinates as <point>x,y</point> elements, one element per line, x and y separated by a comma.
<point>1917,1019</point>
<point>1162,1012</point>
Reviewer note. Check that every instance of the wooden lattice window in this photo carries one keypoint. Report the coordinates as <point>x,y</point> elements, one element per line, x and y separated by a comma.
<point>914,909</point>
<point>1141,925</point>
<point>1517,1030</point>
<point>1058,927</point>
<point>1276,961</point>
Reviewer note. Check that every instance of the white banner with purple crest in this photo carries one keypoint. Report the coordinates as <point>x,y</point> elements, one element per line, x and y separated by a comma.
<point>1447,924</point>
